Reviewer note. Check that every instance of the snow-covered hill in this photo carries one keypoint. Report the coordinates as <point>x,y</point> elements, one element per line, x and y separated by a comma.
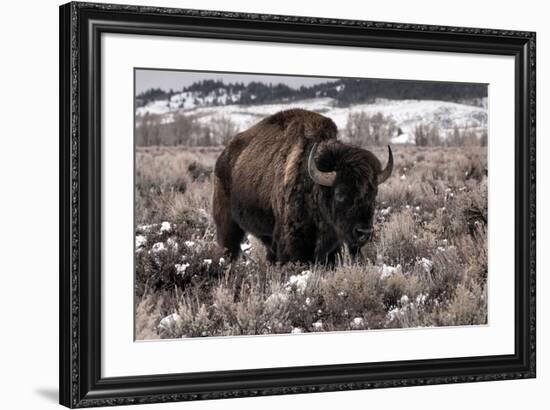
<point>407,114</point>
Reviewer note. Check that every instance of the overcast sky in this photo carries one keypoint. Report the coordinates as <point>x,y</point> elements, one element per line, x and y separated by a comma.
<point>176,80</point>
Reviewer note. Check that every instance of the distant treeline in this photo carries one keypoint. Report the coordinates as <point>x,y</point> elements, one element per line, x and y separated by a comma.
<point>345,91</point>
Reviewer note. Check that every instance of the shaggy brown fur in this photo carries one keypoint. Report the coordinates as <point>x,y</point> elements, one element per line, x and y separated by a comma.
<point>262,186</point>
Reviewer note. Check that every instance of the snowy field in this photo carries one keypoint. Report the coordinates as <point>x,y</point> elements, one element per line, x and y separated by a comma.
<point>406,114</point>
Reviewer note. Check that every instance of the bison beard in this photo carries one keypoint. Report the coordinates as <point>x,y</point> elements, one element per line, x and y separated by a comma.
<point>289,182</point>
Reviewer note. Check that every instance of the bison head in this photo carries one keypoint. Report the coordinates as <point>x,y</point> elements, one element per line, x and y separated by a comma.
<point>349,178</point>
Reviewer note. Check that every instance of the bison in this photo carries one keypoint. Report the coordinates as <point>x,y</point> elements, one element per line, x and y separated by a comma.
<point>289,182</point>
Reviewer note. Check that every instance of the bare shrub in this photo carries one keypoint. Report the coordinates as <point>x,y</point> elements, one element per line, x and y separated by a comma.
<point>472,249</point>
<point>395,287</point>
<point>465,136</point>
<point>148,316</point>
<point>410,313</point>
<point>468,307</point>
<point>250,315</point>
<point>427,135</point>
<point>443,273</point>
<point>183,129</point>
<point>402,241</point>
<point>221,129</point>
<point>350,292</point>
<point>148,130</point>
<point>366,130</point>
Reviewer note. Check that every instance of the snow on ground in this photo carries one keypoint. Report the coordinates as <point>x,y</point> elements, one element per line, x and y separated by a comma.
<point>298,282</point>
<point>406,113</point>
<point>141,240</point>
<point>387,271</point>
<point>186,101</point>
<point>170,322</point>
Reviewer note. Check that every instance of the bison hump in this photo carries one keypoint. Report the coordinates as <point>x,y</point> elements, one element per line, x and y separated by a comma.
<point>309,124</point>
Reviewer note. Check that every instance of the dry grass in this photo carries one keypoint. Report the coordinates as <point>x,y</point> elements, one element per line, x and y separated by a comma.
<point>427,265</point>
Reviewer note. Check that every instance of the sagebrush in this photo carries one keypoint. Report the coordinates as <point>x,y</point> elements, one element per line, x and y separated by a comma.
<point>427,265</point>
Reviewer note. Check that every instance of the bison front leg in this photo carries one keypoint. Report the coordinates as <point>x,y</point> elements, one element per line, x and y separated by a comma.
<point>229,233</point>
<point>270,254</point>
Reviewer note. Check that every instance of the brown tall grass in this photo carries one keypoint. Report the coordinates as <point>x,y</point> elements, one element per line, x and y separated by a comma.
<point>427,265</point>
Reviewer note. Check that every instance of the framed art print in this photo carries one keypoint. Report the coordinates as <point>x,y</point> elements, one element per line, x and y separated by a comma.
<point>261,204</point>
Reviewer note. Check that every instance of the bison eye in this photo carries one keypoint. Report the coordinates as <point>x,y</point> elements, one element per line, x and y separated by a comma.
<point>340,194</point>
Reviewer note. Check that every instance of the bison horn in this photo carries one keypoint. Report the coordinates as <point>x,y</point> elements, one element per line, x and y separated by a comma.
<point>386,172</point>
<point>319,177</point>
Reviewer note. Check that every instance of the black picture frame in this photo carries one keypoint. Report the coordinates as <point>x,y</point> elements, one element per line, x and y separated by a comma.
<point>81,25</point>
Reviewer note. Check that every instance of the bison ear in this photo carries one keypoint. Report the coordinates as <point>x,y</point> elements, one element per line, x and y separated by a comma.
<point>386,172</point>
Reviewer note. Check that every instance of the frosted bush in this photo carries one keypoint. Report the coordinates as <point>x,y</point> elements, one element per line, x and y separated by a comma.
<point>172,243</point>
<point>357,323</point>
<point>387,271</point>
<point>426,265</point>
<point>141,240</point>
<point>276,299</point>
<point>165,227</point>
<point>298,282</point>
<point>246,246</point>
<point>170,325</point>
<point>158,247</point>
<point>317,326</point>
<point>181,268</point>
<point>146,227</point>
<point>421,299</point>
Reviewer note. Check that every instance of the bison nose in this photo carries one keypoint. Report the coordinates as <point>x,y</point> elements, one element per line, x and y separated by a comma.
<point>361,234</point>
